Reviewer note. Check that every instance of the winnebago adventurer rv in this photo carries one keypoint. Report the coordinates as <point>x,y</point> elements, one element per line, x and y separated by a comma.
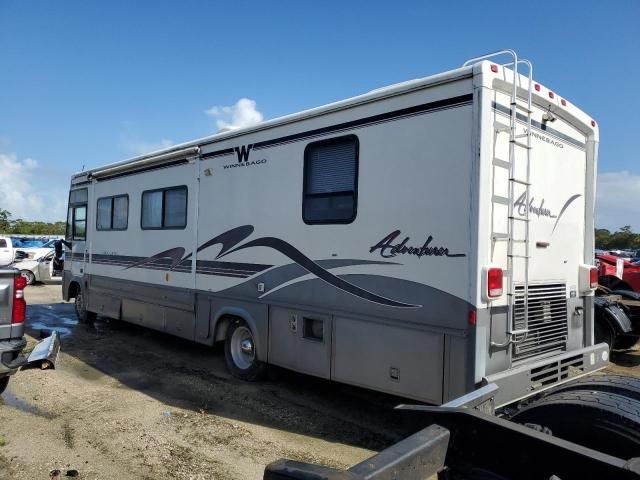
<point>422,239</point>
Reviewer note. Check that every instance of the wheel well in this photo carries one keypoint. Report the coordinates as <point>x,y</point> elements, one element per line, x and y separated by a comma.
<point>221,327</point>
<point>73,289</point>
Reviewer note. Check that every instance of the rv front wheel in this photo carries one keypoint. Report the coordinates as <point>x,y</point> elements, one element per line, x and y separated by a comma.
<point>84,315</point>
<point>240,352</point>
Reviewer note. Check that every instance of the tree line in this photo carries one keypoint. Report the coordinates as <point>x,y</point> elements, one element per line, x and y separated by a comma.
<point>18,226</point>
<point>622,239</point>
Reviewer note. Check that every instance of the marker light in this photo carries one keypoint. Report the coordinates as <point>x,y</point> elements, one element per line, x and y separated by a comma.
<point>494,68</point>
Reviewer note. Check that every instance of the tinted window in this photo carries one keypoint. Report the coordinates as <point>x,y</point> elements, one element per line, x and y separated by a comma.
<point>78,196</point>
<point>113,213</point>
<point>103,221</point>
<point>330,181</point>
<point>166,208</point>
<point>3,243</point>
<point>175,208</point>
<point>120,212</point>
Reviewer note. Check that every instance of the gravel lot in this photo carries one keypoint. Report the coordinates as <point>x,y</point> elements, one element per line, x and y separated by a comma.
<point>129,403</point>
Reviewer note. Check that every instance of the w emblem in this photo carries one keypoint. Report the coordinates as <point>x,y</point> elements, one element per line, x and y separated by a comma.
<point>243,152</point>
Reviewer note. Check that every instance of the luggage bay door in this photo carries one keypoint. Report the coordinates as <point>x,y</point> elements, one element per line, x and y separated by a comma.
<point>300,341</point>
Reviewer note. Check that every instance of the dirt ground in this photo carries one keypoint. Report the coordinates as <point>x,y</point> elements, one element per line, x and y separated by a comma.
<point>128,403</point>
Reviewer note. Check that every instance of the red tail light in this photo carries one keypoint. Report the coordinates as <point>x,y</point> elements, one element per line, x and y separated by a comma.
<point>473,318</point>
<point>19,303</point>
<point>593,277</point>
<point>494,282</point>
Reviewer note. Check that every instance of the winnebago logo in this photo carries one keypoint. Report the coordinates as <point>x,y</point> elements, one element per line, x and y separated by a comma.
<point>389,250</point>
<point>545,139</point>
<point>540,210</point>
<point>242,152</point>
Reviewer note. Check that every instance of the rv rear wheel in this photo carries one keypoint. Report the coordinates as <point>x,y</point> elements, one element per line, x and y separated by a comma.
<point>240,352</point>
<point>625,342</point>
<point>600,420</point>
<point>84,315</point>
<point>619,384</point>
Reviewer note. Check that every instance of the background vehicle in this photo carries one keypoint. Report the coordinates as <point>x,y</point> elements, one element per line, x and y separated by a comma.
<point>38,251</point>
<point>607,272</point>
<point>12,317</point>
<point>7,251</point>
<point>39,269</point>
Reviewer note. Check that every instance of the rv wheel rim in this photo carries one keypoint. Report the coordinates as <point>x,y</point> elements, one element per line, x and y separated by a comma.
<point>242,348</point>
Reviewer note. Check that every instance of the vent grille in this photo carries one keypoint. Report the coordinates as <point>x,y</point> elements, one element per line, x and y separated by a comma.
<point>547,320</point>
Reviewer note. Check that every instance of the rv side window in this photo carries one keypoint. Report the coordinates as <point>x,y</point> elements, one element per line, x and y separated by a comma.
<point>330,181</point>
<point>80,223</point>
<point>3,243</point>
<point>77,215</point>
<point>164,209</point>
<point>113,213</point>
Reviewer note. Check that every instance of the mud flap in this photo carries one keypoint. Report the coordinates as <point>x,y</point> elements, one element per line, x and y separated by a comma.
<point>46,351</point>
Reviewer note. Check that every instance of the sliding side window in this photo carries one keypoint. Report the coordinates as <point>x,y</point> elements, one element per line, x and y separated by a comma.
<point>331,181</point>
<point>165,208</point>
<point>113,213</point>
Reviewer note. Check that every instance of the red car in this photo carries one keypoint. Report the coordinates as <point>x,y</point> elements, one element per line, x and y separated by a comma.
<point>607,273</point>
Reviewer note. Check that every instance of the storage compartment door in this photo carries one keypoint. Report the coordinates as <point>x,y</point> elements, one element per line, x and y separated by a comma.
<point>390,358</point>
<point>300,340</point>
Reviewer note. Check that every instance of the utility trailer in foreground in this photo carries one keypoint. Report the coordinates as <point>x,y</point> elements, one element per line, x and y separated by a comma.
<point>423,239</point>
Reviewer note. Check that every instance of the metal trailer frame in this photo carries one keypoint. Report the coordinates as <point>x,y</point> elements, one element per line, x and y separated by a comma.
<point>464,442</point>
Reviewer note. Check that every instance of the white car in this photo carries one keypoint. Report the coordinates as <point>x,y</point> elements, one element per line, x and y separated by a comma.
<point>30,253</point>
<point>38,269</point>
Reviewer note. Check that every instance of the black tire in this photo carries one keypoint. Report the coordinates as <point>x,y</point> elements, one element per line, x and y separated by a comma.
<point>603,421</point>
<point>624,342</point>
<point>241,363</point>
<point>619,384</point>
<point>28,276</point>
<point>84,315</point>
<point>4,381</point>
<point>603,332</point>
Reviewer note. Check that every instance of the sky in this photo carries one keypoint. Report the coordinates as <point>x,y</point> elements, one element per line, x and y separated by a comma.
<point>84,84</point>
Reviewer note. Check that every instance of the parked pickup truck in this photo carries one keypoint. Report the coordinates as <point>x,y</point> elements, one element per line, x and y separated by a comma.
<point>12,316</point>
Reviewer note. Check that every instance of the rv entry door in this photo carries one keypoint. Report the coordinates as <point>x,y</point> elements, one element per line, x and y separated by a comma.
<point>77,231</point>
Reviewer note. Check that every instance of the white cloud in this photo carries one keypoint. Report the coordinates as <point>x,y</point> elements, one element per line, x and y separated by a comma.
<point>27,192</point>
<point>140,148</point>
<point>618,200</point>
<point>241,114</point>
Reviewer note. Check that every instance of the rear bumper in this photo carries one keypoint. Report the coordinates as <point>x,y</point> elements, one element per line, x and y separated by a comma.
<point>534,377</point>
<point>10,355</point>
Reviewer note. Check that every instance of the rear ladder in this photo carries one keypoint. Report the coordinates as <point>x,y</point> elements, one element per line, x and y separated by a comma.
<point>519,151</point>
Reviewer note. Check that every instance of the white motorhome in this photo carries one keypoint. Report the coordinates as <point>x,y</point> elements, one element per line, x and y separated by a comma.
<point>421,239</point>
